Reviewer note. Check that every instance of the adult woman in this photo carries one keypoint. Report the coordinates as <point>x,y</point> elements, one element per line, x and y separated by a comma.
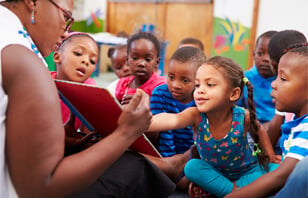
<point>30,117</point>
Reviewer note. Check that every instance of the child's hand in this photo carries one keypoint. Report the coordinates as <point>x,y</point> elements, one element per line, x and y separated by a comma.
<point>275,159</point>
<point>136,116</point>
<point>196,192</point>
<point>72,138</point>
<point>126,98</point>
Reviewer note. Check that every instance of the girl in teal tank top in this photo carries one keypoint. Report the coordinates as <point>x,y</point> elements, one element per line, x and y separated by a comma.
<point>227,162</point>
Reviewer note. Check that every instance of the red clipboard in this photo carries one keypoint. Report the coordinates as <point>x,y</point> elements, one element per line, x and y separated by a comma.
<point>97,109</point>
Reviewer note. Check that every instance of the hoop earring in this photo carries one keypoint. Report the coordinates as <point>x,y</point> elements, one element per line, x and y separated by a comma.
<point>32,17</point>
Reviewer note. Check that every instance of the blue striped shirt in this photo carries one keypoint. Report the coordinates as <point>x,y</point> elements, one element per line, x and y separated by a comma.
<point>294,138</point>
<point>174,141</point>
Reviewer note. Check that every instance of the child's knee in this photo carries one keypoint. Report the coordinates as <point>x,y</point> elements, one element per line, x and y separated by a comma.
<point>191,169</point>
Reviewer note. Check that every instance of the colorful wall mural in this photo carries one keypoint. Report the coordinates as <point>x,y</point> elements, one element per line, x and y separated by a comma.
<point>231,32</point>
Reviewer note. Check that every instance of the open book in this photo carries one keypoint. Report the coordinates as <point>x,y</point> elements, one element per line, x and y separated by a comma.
<point>98,110</point>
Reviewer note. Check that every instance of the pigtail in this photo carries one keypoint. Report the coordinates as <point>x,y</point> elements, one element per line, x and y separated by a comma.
<point>254,127</point>
<point>252,111</point>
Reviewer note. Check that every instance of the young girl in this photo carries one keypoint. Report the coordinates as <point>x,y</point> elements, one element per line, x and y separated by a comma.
<point>119,65</point>
<point>75,60</point>
<point>226,160</point>
<point>142,57</point>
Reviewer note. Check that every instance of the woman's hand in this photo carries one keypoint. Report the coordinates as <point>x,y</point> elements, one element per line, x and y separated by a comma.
<point>136,116</point>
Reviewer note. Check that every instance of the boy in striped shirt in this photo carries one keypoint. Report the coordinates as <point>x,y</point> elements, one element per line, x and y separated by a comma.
<point>175,96</point>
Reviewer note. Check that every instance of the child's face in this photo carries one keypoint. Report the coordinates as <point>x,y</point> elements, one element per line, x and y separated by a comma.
<point>119,64</point>
<point>142,59</point>
<point>77,59</point>
<point>181,80</point>
<point>290,89</point>
<point>212,90</point>
<point>262,59</point>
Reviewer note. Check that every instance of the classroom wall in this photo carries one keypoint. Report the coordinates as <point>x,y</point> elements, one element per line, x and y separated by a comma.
<point>173,21</point>
<point>283,14</point>
<point>89,15</point>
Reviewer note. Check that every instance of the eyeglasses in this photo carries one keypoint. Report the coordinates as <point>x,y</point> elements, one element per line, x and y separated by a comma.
<point>69,20</point>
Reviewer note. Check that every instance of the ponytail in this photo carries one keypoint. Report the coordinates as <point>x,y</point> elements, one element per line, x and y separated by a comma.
<point>254,127</point>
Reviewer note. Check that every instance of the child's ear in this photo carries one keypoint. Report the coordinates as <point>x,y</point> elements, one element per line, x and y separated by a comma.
<point>158,60</point>
<point>236,93</point>
<point>57,57</point>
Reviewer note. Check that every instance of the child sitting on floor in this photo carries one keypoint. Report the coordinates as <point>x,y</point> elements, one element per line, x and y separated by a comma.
<point>278,43</point>
<point>75,60</point>
<point>227,162</point>
<point>142,58</point>
<point>290,92</point>
<point>175,96</point>
<point>119,65</point>
<point>261,75</point>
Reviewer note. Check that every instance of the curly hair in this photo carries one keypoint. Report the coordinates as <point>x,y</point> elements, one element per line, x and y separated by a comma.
<point>189,54</point>
<point>283,40</point>
<point>144,35</point>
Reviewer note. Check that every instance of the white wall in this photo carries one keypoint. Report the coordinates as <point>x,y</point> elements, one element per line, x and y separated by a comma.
<point>83,8</point>
<point>283,14</point>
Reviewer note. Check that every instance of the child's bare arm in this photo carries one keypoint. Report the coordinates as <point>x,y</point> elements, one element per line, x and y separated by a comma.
<point>266,144</point>
<point>274,128</point>
<point>263,139</point>
<point>269,183</point>
<point>169,121</point>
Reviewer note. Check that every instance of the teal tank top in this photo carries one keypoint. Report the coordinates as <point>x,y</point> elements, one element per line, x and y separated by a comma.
<point>230,155</point>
